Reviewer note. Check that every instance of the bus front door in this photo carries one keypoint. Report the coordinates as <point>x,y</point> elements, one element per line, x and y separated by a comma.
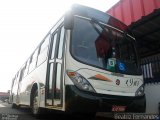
<point>54,82</point>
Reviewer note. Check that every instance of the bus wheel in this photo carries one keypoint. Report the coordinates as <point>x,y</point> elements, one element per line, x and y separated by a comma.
<point>34,104</point>
<point>14,106</point>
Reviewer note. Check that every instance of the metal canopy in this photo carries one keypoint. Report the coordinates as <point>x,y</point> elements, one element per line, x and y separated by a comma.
<point>147,32</point>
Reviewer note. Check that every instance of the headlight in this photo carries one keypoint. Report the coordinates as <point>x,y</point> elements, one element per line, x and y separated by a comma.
<point>80,81</point>
<point>140,91</point>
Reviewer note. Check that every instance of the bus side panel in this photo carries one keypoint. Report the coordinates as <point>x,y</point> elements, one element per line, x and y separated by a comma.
<point>36,76</point>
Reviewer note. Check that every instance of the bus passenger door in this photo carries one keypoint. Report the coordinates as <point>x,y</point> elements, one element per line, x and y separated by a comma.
<point>54,82</point>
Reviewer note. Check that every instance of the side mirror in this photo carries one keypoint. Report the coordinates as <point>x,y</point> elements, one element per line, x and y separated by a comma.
<point>68,20</point>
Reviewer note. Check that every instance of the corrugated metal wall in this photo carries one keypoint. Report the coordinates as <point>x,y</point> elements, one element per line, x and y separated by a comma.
<point>129,11</point>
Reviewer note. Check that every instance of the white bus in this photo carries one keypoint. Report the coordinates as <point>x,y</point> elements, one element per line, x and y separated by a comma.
<point>86,63</point>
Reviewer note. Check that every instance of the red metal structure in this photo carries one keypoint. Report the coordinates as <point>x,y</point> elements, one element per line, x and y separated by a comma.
<point>129,11</point>
<point>143,19</point>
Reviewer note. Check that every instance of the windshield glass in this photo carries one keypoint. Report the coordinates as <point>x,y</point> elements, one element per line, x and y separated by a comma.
<point>102,46</point>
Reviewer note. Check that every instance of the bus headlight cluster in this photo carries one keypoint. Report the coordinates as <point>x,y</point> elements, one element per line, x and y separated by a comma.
<point>80,81</point>
<point>140,91</point>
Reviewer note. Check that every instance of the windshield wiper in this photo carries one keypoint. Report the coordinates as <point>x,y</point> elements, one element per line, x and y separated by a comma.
<point>95,22</point>
<point>126,36</point>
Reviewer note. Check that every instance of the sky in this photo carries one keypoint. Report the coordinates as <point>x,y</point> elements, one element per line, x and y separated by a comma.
<point>23,25</point>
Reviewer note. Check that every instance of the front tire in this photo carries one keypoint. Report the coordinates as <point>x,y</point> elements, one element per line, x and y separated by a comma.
<point>35,104</point>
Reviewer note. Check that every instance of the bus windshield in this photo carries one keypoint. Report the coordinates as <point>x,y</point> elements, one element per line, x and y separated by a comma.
<point>103,46</point>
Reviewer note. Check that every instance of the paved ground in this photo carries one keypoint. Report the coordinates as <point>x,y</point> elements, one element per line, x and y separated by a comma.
<point>8,113</point>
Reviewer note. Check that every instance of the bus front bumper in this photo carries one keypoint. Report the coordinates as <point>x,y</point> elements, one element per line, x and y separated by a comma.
<point>80,101</point>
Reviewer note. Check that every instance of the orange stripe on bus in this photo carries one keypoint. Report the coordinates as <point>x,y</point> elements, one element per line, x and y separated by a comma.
<point>102,78</point>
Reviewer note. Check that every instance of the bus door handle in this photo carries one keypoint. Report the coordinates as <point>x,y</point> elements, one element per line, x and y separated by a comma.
<point>27,92</point>
<point>51,61</point>
<point>59,61</point>
<point>56,61</point>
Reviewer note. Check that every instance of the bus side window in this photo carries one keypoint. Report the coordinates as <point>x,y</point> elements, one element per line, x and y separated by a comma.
<point>33,61</point>
<point>16,79</point>
<point>13,80</point>
<point>22,72</point>
<point>60,50</point>
<point>14,84</point>
<point>18,76</point>
<point>26,68</point>
<point>43,52</point>
<point>54,46</point>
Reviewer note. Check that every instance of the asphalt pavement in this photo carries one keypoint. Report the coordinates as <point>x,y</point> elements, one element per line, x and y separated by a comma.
<point>23,113</point>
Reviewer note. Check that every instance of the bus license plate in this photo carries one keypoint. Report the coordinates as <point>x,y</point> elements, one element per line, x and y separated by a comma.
<point>118,108</point>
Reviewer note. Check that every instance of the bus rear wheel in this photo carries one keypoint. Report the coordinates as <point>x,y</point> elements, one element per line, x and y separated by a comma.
<point>14,106</point>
